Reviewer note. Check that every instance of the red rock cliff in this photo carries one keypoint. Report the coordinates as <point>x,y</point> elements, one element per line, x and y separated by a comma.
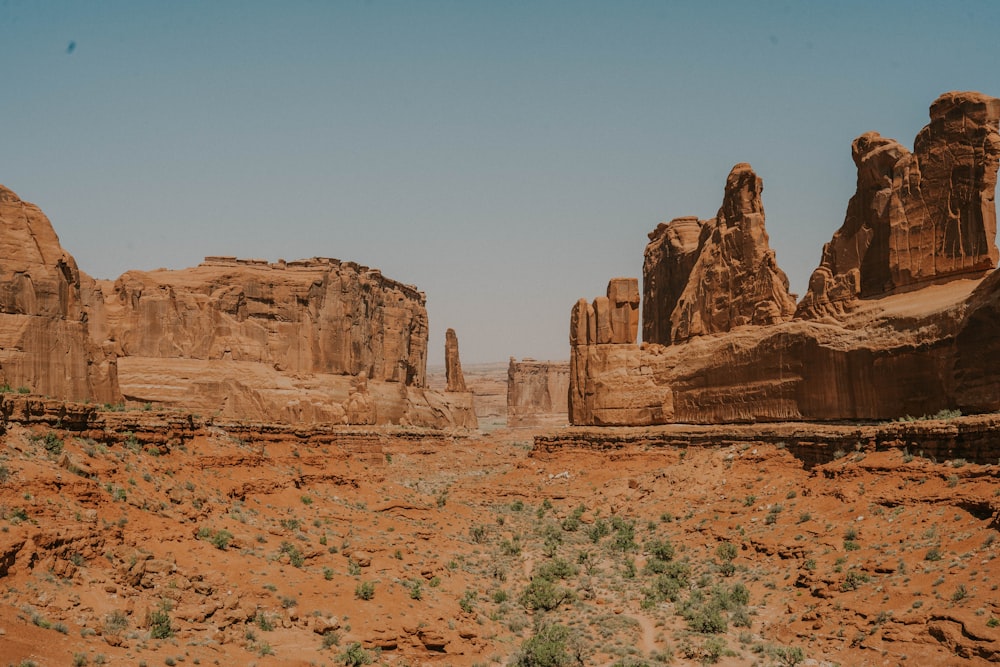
<point>730,278</point>
<point>313,316</point>
<point>47,342</point>
<point>915,217</point>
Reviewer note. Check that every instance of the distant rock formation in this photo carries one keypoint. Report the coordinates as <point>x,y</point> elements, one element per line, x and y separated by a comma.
<point>914,325</point>
<point>316,340</point>
<point>728,278</point>
<point>310,316</point>
<point>452,363</point>
<point>915,217</point>
<point>48,342</point>
<point>537,393</point>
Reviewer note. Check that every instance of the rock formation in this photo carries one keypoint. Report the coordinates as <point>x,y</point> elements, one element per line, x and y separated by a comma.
<point>733,280</point>
<point>537,393</point>
<point>902,341</point>
<point>621,398</point>
<point>47,342</point>
<point>308,341</point>
<point>452,363</point>
<point>309,316</point>
<point>669,258</point>
<point>915,217</point>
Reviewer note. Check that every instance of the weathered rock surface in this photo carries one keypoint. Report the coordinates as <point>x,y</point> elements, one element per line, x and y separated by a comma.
<point>735,279</point>
<point>314,340</point>
<point>452,363</point>
<point>537,393</point>
<point>47,342</point>
<point>311,316</point>
<point>670,255</point>
<point>901,341</point>
<point>915,217</point>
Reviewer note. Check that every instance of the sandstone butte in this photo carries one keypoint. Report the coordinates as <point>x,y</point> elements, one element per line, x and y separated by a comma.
<point>901,317</point>
<point>310,341</point>
<point>537,393</point>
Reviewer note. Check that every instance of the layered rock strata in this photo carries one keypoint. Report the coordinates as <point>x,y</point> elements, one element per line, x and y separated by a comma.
<point>311,316</point>
<point>915,217</point>
<point>315,340</point>
<point>537,393</point>
<point>898,320</point>
<point>48,344</point>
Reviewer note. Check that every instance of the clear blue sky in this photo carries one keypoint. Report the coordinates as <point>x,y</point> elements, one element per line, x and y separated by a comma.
<point>505,157</point>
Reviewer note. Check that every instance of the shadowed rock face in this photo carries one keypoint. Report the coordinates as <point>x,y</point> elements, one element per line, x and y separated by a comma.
<point>729,278</point>
<point>915,217</point>
<point>670,255</point>
<point>47,340</point>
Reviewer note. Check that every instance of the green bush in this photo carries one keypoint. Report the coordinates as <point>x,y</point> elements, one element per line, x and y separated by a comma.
<point>53,444</point>
<point>365,590</point>
<point>661,550</point>
<point>544,594</point>
<point>354,655</point>
<point>221,539</point>
<point>556,569</point>
<point>159,622</point>
<point>553,645</point>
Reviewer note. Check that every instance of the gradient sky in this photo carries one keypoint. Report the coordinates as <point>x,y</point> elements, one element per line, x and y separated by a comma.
<point>505,157</point>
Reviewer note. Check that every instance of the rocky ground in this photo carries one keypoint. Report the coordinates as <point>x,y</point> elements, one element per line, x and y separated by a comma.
<point>418,548</point>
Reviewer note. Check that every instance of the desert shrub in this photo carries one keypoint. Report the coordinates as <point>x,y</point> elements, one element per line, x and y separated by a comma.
<point>468,601</point>
<point>572,522</point>
<point>853,580</point>
<point>221,539</point>
<point>416,590</point>
<point>365,590</point>
<point>788,656</point>
<point>295,556</point>
<point>706,619</point>
<point>556,569</point>
<point>115,623</point>
<point>354,655</point>
<point>544,594</point>
<point>510,547</point>
<point>553,645</point>
<point>263,621</point>
<point>53,444</point>
<point>623,538</point>
<point>158,621</point>
<point>597,530</point>
<point>478,533</point>
<point>662,550</point>
<point>933,554</point>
